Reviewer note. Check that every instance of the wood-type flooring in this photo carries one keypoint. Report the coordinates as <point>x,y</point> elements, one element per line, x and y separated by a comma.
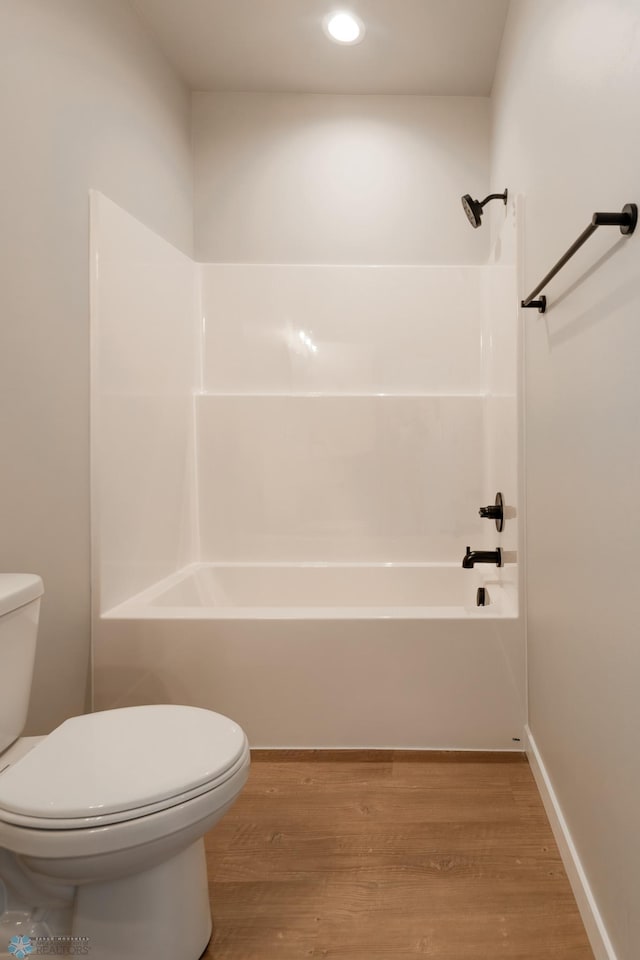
<point>377,855</point>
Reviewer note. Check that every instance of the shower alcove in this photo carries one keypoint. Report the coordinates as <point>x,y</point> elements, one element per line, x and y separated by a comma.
<point>287,466</point>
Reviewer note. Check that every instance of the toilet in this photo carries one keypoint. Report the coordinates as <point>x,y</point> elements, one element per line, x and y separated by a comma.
<point>102,821</point>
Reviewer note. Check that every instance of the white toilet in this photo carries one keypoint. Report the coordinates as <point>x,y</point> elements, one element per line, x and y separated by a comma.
<point>102,821</point>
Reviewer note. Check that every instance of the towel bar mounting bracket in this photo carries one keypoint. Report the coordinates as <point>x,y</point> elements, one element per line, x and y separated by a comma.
<point>627,220</point>
<point>540,304</point>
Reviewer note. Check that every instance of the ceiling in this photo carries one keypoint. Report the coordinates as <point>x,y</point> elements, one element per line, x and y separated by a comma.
<point>435,47</point>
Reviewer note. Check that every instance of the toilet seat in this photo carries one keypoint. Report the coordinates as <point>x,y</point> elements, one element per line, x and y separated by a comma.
<point>120,765</point>
<point>86,823</point>
<point>141,833</point>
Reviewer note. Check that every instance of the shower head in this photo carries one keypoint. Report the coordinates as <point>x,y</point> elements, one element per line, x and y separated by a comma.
<point>473,208</point>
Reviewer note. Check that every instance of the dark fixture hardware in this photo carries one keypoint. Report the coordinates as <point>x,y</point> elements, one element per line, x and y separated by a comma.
<point>481,597</point>
<point>496,512</point>
<point>540,304</point>
<point>626,220</point>
<point>473,208</point>
<point>472,557</point>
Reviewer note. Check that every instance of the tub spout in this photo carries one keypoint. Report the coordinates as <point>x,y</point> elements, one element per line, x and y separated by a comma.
<point>472,557</point>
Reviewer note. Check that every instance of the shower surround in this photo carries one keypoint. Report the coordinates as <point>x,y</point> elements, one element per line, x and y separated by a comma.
<point>288,462</point>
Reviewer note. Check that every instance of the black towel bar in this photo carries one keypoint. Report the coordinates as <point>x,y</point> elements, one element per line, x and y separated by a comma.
<point>626,220</point>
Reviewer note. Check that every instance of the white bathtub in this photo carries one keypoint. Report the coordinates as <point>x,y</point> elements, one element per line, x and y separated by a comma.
<point>322,591</point>
<point>325,655</point>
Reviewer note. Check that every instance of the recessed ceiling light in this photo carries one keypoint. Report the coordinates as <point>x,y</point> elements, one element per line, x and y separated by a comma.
<point>344,27</point>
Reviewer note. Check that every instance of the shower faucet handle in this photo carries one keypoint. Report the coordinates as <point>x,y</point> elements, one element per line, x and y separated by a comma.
<point>495,512</point>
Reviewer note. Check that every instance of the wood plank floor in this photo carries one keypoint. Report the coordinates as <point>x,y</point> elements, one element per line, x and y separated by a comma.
<point>380,856</point>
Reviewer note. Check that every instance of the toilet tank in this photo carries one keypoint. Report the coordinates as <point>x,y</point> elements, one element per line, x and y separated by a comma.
<point>19,611</point>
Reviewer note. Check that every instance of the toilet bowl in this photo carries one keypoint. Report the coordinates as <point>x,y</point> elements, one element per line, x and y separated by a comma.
<point>107,815</point>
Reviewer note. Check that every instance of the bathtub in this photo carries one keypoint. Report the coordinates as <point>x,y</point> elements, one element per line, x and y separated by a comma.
<point>313,655</point>
<point>321,591</point>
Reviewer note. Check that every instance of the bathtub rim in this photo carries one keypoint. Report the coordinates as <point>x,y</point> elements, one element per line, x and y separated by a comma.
<point>141,606</point>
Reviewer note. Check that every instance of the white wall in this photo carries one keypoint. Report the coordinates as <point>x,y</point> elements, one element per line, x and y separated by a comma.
<point>85,101</point>
<point>338,179</point>
<point>565,135</point>
<point>143,346</point>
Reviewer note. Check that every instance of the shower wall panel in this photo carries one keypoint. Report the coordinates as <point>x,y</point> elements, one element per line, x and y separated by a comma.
<point>501,322</point>
<point>143,348</point>
<point>341,415</point>
<point>342,329</point>
<point>339,478</point>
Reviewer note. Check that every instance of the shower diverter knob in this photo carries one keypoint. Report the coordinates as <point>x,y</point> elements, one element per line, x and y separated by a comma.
<point>495,512</point>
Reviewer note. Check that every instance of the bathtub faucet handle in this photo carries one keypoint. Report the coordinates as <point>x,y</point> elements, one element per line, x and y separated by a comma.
<point>495,512</point>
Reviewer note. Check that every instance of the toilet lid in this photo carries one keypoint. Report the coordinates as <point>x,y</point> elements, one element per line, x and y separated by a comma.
<point>120,760</point>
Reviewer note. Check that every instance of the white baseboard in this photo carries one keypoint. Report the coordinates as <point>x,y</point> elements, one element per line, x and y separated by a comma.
<point>596,930</point>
